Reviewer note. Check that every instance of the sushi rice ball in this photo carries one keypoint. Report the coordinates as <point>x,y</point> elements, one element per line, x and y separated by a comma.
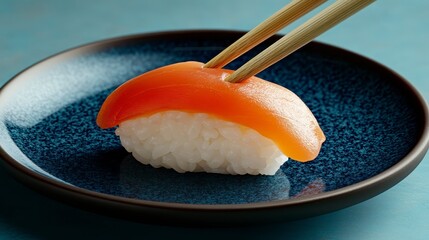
<point>198,142</point>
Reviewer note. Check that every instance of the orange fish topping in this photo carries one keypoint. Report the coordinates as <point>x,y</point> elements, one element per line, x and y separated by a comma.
<point>270,109</point>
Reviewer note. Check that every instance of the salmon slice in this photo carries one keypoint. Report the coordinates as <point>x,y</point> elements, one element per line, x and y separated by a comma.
<point>270,109</point>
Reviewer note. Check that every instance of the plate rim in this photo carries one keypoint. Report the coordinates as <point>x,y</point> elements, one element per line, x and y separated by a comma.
<point>383,180</point>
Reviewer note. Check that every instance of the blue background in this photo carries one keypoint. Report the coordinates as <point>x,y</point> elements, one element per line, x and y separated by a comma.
<point>392,32</point>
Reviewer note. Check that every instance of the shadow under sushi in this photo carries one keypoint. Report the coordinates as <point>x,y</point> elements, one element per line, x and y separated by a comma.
<point>160,184</point>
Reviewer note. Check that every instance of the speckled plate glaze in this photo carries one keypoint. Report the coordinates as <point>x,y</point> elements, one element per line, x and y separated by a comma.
<point>375,122</point>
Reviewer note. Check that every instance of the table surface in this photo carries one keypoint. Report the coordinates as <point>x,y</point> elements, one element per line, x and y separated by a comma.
<point>391,32</point>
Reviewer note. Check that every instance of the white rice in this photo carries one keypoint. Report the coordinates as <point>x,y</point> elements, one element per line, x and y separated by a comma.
<point>198,142</point>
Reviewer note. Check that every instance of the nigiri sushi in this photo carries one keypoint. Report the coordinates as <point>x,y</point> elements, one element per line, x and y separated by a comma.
<point>187,118</point>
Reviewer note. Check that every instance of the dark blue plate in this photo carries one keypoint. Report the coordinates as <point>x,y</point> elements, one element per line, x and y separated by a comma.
<point>375,122</point>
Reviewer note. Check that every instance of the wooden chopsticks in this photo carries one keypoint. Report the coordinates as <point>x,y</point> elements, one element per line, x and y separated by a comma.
<point>320,23</point>
<point>264,30</point>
